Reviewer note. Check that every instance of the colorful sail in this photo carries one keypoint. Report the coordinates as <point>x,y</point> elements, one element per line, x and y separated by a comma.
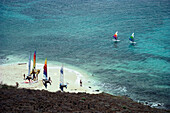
<point>29,65</point>
<point>45,69</point>
<point>132,37</point>
<point>61,76</point>
<point>115,36</point>
<point>34,60</point>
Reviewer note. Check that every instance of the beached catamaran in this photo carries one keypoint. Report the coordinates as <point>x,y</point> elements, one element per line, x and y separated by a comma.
<point>132,39</point>
<point>62,85</point>
<point>115,36</point>
<point>28,78</point>
<point>34,72</point>
<point>46,80</point>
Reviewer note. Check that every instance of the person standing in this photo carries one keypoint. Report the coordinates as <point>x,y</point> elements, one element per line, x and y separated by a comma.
<point>80,83</point>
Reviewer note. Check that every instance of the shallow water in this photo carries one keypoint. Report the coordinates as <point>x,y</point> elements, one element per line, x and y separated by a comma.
<point>79,33</point>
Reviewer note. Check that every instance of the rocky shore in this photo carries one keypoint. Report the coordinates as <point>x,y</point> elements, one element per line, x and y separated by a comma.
<point>27,100</point>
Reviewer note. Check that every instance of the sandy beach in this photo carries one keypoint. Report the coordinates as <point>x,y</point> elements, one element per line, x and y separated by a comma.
<point>12,73</point>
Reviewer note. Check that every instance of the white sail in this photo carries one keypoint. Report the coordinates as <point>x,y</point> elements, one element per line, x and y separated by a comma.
<point>29,65</point>
<point>61,76</point>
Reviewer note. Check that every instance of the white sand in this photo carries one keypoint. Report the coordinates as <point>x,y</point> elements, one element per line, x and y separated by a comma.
<point>12,73</point>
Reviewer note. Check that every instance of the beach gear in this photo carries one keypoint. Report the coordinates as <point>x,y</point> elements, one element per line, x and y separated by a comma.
<point>29,82</point>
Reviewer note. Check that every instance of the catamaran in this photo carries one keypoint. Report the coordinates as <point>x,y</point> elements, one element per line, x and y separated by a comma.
<point>46,80</point>
<point>62,85</point>
<point>29,68</point>
<point>115,36</point>
<point>132,39</point>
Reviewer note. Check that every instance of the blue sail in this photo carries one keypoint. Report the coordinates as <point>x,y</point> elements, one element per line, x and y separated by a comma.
<point>29,65</point>
<point>61,76</point>
<point>132,37</point>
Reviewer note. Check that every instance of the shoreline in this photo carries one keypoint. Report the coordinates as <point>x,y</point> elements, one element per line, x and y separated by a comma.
<point>12,73</point>
<point>72,77</point>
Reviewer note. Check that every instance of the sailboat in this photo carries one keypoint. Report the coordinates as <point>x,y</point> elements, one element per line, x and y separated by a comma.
<point>46,80</point>
<point>34,71</point>
<point>62,85</point>
<point>115,36</point>
<point>132,39</point>
<point>29,68</point>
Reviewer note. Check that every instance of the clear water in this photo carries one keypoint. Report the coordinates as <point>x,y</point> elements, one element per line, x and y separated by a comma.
<point>79,33</point>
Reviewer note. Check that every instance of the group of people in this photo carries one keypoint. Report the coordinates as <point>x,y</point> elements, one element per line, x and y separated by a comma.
<point>34,76</point>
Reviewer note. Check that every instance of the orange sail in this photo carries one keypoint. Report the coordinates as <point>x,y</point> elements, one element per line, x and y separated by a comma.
<point>34,60</point>
<point>115,36</point>
<point>45,69</point>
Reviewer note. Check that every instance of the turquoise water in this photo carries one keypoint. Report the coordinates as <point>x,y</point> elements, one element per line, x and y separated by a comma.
<point>79,33</point>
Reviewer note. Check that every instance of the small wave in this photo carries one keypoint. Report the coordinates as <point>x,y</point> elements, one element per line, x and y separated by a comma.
<point>113,88</point>
<point>153,104</point>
